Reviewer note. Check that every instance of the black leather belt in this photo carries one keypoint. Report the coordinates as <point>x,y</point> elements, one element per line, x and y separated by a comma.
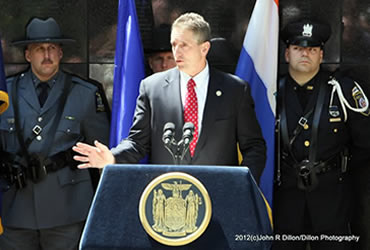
<point>16,169</point>
<point>320,167</point>
<point>326,166</point>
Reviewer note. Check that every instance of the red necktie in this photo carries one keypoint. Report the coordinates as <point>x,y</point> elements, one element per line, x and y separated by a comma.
<point>191,113</point>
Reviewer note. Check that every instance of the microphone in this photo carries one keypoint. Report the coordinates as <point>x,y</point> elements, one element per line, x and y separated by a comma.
<point>168,133</point>
<point>187,134</point>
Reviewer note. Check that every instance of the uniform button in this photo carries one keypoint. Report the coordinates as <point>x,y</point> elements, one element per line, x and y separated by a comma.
<point>39,137</point>
<point>68,130</point>
<point>39,119</point>
<point>335,130</point>
<point>305,127</point>
<point>307,143</point>
<point>11,129</point>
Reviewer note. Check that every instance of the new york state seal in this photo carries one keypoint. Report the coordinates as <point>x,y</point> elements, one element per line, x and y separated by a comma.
<point>175,209</point>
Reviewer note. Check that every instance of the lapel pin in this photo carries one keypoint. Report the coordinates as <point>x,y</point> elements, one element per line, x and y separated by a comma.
<point>219,93</point>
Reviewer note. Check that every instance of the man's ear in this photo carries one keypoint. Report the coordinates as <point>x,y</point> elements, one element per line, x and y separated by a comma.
<point>61,53</point>
<point>286,54</point>
<point>205,47</point>
<point>27,55</point>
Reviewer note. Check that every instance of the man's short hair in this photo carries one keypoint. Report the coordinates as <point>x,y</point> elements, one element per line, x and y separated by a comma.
<point>195,23</point>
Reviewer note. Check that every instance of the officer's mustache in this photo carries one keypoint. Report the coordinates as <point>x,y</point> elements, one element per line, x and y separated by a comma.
<point>47,61</point>
<point>305,58</point>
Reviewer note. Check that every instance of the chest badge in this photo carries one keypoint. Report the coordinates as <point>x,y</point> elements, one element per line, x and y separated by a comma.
<point>334,111</point>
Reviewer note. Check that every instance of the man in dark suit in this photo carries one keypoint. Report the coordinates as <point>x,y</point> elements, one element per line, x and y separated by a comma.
<point>223,111</point>
<point>48,198</point>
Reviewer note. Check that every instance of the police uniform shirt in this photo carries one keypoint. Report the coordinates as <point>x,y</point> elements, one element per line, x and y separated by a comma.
<point>304,93</point>
<point>37,82</point>
<point>302,99</point>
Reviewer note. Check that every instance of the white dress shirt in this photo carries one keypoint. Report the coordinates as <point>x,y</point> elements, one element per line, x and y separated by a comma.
<point>201,81</point>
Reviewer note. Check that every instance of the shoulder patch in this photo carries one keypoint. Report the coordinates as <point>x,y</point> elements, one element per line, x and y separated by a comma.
<point>99,102</point>
<point>358,96</point>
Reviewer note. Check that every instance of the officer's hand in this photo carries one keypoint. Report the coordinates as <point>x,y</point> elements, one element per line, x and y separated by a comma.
<point>93,157</point>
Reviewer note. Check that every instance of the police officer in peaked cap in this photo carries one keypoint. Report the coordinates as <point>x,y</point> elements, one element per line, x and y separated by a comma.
<point>45,198</point>
<point>323,136</point>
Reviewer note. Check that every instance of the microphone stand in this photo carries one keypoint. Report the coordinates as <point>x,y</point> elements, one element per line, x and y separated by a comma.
<point>179,149</point>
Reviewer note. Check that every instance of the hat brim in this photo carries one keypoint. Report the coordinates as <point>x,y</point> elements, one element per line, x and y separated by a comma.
<point>44,40</point>
<point>303,41</point>
<point>149,51</point>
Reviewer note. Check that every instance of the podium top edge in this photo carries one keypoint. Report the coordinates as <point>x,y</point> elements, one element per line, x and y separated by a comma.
<point>243,168</point>
<point>177,168</point>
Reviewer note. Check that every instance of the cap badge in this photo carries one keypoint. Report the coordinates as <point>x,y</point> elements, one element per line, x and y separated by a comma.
<point>307,30</point>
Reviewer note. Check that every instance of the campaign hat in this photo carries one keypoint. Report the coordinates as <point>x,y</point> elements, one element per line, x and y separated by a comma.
<point>43,31</point>
<point>161,37</point>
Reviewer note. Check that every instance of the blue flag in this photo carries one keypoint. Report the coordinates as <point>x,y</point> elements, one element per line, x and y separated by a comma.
<point>4,99</point>
<point>128,72</point>
<point>257,65</point>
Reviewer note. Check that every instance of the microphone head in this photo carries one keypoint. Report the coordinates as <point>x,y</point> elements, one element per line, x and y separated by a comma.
<point>188,131</point>
<point>169,126</point>
<point>188,125</point>
<point>168,133</point>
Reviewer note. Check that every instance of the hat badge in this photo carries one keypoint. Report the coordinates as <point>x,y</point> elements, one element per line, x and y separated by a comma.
<point>307,30</point>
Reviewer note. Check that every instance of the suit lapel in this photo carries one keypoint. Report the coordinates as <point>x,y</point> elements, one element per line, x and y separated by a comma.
<point>210,109</point>
<point>172,92</point>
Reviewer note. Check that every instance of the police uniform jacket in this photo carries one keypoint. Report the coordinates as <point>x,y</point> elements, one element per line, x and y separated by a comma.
<point>64,196</point>
<point>328,204</point>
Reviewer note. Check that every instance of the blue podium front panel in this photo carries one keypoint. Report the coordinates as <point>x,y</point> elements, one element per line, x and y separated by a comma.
<point>239,217</point>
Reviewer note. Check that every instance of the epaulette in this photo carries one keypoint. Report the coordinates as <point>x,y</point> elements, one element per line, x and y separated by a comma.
<point>88,82</point>
<point>10,78</point>
<point>102,104</point>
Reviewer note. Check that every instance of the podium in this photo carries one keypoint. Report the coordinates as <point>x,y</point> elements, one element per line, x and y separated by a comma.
<point>239,217</point>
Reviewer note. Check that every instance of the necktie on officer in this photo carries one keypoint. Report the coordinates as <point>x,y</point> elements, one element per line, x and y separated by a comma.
<point>191,112</point>
<point>43,91</point>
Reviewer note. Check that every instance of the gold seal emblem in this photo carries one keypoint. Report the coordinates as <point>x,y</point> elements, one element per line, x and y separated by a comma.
<point>175,209</point>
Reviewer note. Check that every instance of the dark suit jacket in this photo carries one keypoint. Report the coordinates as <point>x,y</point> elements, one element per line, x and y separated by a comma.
<point>228,119</point>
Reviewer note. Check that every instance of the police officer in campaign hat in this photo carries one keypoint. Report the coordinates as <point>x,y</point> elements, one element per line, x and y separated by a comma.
<point>323,133</point>
<point>159,54</point>
<point>45,197</point>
